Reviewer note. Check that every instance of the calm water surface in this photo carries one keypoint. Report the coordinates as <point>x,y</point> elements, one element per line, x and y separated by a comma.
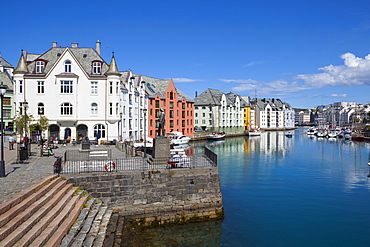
<point>280,191</point>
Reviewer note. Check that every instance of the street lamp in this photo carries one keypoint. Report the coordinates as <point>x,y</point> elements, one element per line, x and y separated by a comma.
<point>25,140</point>
<point>145,111</point>
<point>2,163</point>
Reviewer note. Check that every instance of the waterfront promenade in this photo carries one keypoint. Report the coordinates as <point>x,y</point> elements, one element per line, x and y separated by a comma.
<point>20,176</point>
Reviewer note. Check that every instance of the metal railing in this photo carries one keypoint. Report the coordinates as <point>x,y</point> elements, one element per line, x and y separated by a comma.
<point>92,154</point>
<point>132,164</point>
<point>210,155</point>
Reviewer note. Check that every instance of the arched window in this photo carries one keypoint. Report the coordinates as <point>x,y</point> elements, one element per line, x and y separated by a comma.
<point>66,109</point>
<point>94,109</point>
<point>99,131</point>
<point>40,108</point>
<point>67,66</point>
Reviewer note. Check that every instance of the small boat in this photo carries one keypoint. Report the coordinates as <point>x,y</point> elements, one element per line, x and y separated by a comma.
<point>357,137</point>
<point>216,136</point>
<point>253,132</point>
<point>177,138</point>
<point>322,133</point>
<point>332,133</point>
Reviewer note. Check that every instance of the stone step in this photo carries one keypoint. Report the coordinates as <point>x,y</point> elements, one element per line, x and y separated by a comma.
<point>25,194</point>
<point>40,215</point>
<point>11,208</point>
<point>90,228</point>
<point>28,207</point>
<point>50,236</point>
<point>31,228</point>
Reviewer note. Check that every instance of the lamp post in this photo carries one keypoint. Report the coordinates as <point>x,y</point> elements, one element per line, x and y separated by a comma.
<point>25,107</point>
<point>2,163</point>
<point>145,111</point>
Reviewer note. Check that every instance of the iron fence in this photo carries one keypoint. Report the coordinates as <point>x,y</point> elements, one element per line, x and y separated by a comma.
<point>131,164</point>
<point>210,155</point>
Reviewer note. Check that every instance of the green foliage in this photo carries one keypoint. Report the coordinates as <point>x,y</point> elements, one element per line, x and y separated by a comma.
<point>22,123</point>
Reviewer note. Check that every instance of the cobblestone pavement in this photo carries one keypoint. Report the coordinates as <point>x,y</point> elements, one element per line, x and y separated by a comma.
<point>20,176</point>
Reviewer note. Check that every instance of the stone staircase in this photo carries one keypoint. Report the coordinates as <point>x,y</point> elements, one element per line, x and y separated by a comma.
<point>40,215</point>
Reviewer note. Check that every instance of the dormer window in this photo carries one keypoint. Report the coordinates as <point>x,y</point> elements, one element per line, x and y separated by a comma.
<point>40,65</point>
<point>67,66</point>
<point>96,68</point>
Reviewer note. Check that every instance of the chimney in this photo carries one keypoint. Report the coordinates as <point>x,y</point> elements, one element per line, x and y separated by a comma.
<point>54,44</point>
<point>98,47</point>
<point>196,94</point>
<point>74,45</point>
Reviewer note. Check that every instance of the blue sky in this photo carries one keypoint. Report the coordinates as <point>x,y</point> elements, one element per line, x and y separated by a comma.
<point>306,53</point>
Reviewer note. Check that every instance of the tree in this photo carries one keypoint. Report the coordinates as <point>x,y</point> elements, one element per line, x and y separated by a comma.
<point>22,123</point>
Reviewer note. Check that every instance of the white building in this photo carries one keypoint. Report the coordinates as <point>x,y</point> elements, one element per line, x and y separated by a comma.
<point>80,94</point>
<point>217,111</point>
<point>274,114</point>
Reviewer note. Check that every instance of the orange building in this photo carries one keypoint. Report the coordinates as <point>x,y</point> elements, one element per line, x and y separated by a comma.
<point>178,107</point>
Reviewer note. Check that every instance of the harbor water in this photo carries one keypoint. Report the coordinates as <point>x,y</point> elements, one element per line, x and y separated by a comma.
<point>280,191</point>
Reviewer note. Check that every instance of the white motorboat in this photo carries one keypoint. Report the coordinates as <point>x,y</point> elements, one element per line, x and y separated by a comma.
<point>177,138</point>
<point>216,136</point>
<point>253,132</point>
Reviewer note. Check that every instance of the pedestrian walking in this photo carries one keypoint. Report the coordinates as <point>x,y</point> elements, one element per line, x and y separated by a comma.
<point>11,142</point>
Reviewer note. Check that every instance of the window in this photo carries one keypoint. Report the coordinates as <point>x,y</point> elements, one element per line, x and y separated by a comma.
<point>66,109</point>
<point>96,68</point>
<point>171,105</point>
<point>171,95</point>
<point>99,131</point>
<point>110,87</point>
<point>94,109</point>
<point>40,66</point>
<point>117,108</point>
<point>6,101</point>
<point>66,87</point>
<point>117,87</point>
<point>40,108</point>
<point>157,103</point>
<point>20,87</point>
<point>40,87</point>
<point>68,66</point>
<point>7,113</point>
<point>171,114</point>
<point>94,87</point>
<point>183,105</point>
<point>110,108</point>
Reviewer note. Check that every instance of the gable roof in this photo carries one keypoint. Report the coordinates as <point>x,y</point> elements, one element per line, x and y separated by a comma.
<point>209,97</point>
<point>84,56</point>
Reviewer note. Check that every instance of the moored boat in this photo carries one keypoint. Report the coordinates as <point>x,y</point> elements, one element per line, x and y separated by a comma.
<point>216,136</point>
<point>253,132</point>
<point>177,138</point>
<point>357,137</point>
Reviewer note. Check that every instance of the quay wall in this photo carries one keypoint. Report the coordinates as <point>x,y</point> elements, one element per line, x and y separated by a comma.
<point>157,197</point>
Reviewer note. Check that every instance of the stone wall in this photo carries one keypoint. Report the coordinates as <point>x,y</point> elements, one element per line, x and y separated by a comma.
<point>158,196</point>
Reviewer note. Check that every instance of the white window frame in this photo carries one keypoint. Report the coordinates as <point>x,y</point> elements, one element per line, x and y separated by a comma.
<point>97,68</point>
<point>94,109</point>
<point>66,109</point>
<point>68,66</point>
<point>40,87</point>
<point>94,88</point>
<point>66,87</point>
<point>40,65</point>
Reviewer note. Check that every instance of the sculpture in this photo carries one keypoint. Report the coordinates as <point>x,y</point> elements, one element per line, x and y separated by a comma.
<point>161,122</point>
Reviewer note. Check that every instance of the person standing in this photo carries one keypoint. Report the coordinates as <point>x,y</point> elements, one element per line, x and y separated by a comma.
<point>11,142</point>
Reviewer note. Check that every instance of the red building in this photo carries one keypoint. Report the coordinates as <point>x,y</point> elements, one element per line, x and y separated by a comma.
<point>178,107</point>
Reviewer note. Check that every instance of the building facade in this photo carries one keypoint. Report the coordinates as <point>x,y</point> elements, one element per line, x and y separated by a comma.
<point>80,94</point>
<point>6,73</point>
<point>218,111</point>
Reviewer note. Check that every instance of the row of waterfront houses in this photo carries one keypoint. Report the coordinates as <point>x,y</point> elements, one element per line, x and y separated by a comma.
<point>83,96</point>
